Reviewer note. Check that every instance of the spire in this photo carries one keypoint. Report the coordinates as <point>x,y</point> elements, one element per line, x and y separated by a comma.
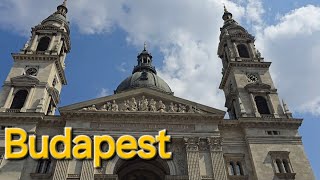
<point>145,46</point>
<point>65,3</point>
<point>225,9</point>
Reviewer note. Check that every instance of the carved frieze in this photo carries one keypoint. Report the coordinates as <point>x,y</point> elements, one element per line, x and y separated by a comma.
<point>144,105</point>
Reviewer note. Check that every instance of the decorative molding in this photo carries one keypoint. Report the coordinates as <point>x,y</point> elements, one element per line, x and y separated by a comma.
<point>258,87</point>
<point>24,81</point>
<point>192,144</point>
<point>215,143</point>
<point>143,105</point>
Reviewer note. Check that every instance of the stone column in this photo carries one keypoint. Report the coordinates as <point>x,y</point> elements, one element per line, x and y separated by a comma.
<point>28,100</point>
<point>276,115</point>
<point>9,98</point>
<point>253,102</point>
<point>51,43</point>
<point>218,165</point>
<point>33,44</point>
<point>192,149</point>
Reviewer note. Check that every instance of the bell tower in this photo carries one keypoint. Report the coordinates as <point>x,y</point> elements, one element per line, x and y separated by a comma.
<point>246,81</point>
<point>35,81</point>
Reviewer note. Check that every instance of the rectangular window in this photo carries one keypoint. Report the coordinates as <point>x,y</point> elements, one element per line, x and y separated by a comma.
<point>235,165</point>
<point>281,164</point>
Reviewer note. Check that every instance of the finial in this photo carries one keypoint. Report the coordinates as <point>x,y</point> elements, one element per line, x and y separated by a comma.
<point>65,2</point>
<point>145,46</point>
<point>225,9</point>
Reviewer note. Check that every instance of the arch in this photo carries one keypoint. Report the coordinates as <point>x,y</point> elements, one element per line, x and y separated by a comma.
<point>243,51</point>
<point>262,105</point>
<point>279,166</point>
<point>286,166</point>
<point>239,168</point>
<point>232,170</point>
<point>113,165</point>
<point>19,99</point>
<point>43,43</point>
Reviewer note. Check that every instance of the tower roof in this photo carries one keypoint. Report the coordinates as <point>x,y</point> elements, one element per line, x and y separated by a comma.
<point>144,75</point>
<point>60,15</point>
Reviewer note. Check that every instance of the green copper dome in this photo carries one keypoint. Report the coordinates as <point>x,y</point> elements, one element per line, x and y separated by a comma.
<point>144,75</point>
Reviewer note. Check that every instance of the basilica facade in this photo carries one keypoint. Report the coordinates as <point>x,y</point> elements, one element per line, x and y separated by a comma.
<point>260,140</point>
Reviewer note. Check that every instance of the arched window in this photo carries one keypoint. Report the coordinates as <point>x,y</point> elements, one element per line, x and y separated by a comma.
<point>232,168</point>
<point>243,51</point>
<point>19,99</point>
<point>286,166</point>
<point>262,105</point>
<point>239,169</point>
<point>279,166</point>
<point>43,44</point>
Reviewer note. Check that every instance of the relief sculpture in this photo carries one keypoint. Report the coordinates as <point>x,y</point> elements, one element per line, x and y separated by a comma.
<point>143,105</point>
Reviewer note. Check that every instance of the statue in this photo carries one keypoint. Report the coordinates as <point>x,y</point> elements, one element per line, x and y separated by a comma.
<point>126,106</point>
<point>104,108</point>
<point>114,106</point>
<point>258,54</point>
<point>162,107</point>
<point>152,105</point>
<point>144,104</point>
<point>175,108</point>
<point>190,109</point>
<point>26,45</point>
<point>171,108</point>
<point>133,105</point>
<point>108,106</point>
<point>92,108</point>
<point>181,108</point>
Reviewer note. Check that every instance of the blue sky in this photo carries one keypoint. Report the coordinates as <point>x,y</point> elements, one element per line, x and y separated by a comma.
<point>183,38</point>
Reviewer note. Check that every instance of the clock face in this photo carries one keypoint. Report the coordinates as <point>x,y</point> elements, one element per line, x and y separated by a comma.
<point>32,71</point>
<point>252,78</point>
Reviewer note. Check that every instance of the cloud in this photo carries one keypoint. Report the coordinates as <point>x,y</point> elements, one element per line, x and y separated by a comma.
<point>293,46</point>
<point>103,92</point>
<point>187,33</point>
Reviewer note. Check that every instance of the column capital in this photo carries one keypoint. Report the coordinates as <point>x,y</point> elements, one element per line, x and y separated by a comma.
<point>215,143</point>
<point>192,143</point>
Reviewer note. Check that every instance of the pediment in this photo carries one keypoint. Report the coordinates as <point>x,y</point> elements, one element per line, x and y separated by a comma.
<point>141,101</point>
<point>24,80</point>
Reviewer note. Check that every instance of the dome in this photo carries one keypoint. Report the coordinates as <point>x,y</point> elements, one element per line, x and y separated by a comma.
<point>144,75</point>
<point>144,80</point>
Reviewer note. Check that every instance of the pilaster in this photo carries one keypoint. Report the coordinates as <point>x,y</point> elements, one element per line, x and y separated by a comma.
<point>87,170</point>
<point>218,165</point>
<point>192,149</point>
<point>61,170</point>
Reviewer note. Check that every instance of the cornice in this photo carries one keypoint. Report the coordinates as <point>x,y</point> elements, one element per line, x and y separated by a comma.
<point>21,117</point>
<point>252,122</point>
<point>141,116</point>
<point>43,57</point>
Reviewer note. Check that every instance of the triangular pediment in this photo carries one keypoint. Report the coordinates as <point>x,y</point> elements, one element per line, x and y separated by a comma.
<point>141,101</point>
